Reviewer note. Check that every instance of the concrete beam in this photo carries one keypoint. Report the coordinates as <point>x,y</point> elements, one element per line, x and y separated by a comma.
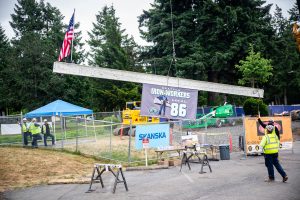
<point>120,75</point>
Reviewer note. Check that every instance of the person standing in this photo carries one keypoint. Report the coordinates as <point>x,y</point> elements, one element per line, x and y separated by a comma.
<point>164,101</point>
<point>46,131</point>
<point>25,131</point>
<point>270,145</point>
<point>35,130</point>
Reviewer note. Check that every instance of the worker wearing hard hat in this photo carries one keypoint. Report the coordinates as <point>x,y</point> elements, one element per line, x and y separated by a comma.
<point>35,129</point>
<point>46,131</point>
<point>25,131</point>
<point>270,145</point>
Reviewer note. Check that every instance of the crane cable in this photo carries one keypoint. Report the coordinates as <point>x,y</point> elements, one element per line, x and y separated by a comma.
<point>173,42</point>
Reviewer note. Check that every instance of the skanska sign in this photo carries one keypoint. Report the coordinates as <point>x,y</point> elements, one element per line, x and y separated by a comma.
<point>158,135</point>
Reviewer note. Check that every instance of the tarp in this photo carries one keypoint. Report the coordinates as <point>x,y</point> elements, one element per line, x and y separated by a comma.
<point>59,108</point>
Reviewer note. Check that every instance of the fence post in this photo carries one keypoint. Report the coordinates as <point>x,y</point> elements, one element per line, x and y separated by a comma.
<point>94,127</point>
<point>54,126</point>
<point>62,131</point>
<point>85,124</point>
<point>244,135</point>
<point>129,145</point>
<point>110,137</point>
<point>23,135</point>
<point>76,134</point>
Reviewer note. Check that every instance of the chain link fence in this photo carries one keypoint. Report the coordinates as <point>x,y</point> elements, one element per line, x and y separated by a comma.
<point>98,135</point>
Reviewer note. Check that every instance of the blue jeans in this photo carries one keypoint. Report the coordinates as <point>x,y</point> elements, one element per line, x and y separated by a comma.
<point>35,138</point>
<point>45,138</point>
<point>270,160</point>
<point>25,136</point>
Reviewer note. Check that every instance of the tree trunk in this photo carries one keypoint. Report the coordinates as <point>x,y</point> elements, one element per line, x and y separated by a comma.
<point>212,96</point>
<point>284,96</point>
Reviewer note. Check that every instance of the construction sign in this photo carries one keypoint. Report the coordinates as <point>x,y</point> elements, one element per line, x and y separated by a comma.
<point>254,132</point>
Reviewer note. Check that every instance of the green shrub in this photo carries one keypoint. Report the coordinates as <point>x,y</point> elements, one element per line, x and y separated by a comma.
<point>251,107</point>
<point>111,119</point>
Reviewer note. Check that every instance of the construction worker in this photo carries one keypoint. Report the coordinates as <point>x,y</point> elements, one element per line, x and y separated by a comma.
<point>270,145</point>
<point>270,122</point>
<point>25,131</point>
<point>46,131</point>
<point>35,130</point>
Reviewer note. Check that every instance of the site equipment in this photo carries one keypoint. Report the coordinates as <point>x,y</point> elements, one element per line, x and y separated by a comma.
<point>217,117</point>
<point>132,115</point>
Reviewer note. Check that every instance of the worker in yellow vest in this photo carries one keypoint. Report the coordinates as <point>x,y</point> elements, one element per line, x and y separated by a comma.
<point>270,145</point>
<point>35,130</point>
<point>46,131</point>
<point>25,131</point>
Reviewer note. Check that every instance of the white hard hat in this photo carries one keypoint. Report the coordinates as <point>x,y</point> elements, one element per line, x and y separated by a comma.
<point>34,119</point>
<point>45,120</point>
<point>24,119</point>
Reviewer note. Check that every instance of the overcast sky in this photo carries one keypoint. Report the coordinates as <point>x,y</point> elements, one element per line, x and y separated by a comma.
<point>126,10</point>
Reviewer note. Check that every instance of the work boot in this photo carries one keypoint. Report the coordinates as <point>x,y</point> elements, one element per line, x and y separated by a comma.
<point>269,180</point>
<point>285,179</point>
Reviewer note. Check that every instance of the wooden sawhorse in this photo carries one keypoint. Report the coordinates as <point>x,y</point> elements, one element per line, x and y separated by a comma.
<point>100,168</point>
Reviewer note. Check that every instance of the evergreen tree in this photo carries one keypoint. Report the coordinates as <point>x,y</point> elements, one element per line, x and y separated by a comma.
<point>39,34</point>
<point>5,52</point>
<point>111,48</point>
<point>210,36</point>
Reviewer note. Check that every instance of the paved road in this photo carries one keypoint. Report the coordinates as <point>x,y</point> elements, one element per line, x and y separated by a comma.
<point>231,179</point>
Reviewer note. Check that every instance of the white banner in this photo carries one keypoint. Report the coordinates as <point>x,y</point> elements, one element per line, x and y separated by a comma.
<point>10,129</point>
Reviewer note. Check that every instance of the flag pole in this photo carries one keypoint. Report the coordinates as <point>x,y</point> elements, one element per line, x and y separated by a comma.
<point>73,35</point>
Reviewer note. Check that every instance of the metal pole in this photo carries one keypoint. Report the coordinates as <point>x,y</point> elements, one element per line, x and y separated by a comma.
<point>110,137</point>
<point>94,127</point>
<point>244,141</point>
<point>129,145</point>
<point>62,132</point>
<point>54,127</point>
<point>23,134</point>
<point>73,35</point>
<point>146,157</point>
<point>85,125</point>
<point>76,134</point>
<point>65,131</point>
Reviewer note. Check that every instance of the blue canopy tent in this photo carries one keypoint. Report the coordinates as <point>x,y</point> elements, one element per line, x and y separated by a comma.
<point>59,108</point>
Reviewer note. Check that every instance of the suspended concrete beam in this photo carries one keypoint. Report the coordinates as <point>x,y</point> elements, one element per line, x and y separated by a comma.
<point>120,75</point>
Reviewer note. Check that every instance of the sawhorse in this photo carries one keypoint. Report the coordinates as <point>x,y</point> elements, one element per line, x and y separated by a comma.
<point>100,168</point>
<point>186,160</point>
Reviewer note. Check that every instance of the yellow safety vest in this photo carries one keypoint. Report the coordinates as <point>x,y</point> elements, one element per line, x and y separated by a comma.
<point>35,129</point>
<point>272,143</point>
<point>24,128</point>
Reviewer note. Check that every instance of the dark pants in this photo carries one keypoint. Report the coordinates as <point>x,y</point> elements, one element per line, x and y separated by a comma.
<point>45,138</point>
<point>162,109</point>
<point>35,138</point>
<point>270,160</point>
<point>25,136</point>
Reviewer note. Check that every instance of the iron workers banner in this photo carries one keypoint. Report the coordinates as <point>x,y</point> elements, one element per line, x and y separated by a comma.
<point>169,102</point>
<point>158,135</point>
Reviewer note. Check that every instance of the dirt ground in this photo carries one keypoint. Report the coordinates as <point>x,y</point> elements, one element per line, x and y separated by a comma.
<point>24,167</point>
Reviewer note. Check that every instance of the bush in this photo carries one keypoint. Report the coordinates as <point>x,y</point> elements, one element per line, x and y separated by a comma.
<point>251,107</point>
<point>111,119</point>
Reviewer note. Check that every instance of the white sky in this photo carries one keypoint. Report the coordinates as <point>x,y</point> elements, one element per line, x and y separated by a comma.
<point>126,10</point>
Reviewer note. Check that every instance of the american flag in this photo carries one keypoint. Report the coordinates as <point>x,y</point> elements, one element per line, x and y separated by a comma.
<point>66,46</point>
